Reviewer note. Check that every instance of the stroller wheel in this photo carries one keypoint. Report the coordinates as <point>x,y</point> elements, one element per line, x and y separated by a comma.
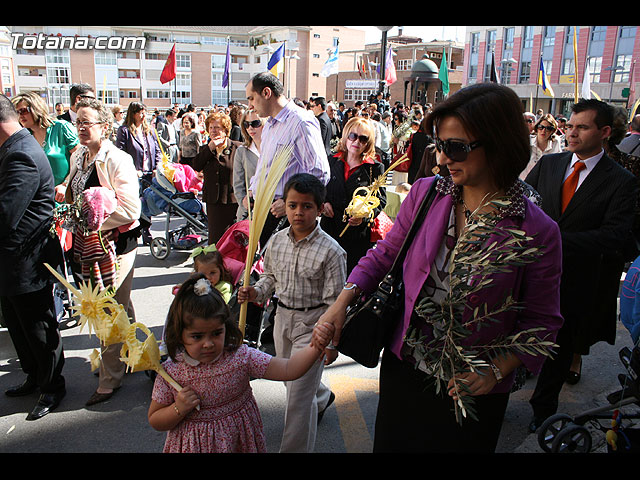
<point>550,428</point>
<point>159,248</point>
<point>573,439</point>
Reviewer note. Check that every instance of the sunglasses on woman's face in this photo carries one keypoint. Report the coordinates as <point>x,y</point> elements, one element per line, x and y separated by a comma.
<point>354,136</point>
<point>23,110</point>
<point>548,128</point>
<point>455,150</point>
<point>253,123</point>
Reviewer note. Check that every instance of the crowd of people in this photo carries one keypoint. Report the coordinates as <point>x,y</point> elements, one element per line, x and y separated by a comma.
<point>570,186</point>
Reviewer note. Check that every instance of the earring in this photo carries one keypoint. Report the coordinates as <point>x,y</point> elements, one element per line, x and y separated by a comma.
<point>435,170</point>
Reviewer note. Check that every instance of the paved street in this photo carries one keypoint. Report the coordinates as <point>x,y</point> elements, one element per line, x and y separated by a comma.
<point>120,425</point>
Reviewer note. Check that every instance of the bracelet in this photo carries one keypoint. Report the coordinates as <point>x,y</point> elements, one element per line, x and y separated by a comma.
<point>175,407</point>
<point>353,285</point>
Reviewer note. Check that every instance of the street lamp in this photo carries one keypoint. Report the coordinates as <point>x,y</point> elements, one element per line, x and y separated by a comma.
<point>293,55</point>
<point>383,53</point>
<point>506,69</point>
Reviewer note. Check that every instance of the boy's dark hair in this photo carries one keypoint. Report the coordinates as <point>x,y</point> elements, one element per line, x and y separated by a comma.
<point>187,306</point>
<point>78,89</point>
<point>307,183</point>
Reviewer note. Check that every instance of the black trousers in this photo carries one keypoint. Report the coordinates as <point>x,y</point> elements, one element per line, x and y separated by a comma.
<point>412,418</point>
<point>33,328</point>
<point>545,397</point>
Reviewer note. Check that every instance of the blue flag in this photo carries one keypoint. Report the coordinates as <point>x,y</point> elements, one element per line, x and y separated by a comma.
<point>276,61</point>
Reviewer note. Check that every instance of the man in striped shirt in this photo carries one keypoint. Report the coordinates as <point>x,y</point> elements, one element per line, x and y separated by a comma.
<point>287,124</point>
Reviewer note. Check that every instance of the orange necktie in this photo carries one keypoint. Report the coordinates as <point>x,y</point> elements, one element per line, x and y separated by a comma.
<point>570,184</point>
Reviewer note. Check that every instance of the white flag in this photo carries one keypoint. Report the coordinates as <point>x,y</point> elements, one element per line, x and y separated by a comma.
<point>331,65</point>
<point>586,85</point>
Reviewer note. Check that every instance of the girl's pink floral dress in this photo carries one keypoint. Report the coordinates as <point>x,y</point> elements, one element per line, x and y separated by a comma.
<point>229,420</point>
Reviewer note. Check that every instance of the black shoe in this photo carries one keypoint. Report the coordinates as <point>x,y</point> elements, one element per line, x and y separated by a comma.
<point>535,424</point>
<point>573,377</point>
<point>332,397</point>
<point>46,403</point>
<point>27,387</point>
<point>146,237</point>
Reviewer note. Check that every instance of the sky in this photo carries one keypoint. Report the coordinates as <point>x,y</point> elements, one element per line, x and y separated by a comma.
<point>427,33</point>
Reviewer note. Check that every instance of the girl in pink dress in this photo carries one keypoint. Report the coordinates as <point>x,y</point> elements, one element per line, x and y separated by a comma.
<point>215,411</point>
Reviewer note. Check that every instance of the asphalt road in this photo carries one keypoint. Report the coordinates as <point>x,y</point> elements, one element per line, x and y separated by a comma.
<point>120,424</point>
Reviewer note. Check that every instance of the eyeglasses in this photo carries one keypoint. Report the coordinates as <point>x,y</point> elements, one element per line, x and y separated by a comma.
<point>253,123</point>
<point>23,110</point>
<point>456,151</point>
<point>548,128</point>
<point>354,136</point>
<point>87,124</point>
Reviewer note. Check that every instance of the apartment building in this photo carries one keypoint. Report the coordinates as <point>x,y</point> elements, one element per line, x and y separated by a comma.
<point>124,63</point>
<point>609,53</point>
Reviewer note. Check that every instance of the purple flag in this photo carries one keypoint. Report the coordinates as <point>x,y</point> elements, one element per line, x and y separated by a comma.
<point>227,68</point>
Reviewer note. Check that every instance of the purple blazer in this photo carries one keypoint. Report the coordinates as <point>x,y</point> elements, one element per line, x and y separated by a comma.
<point>537,285</point>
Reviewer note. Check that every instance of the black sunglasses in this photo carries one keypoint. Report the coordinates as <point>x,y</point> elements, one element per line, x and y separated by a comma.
<point>548,128</point>
<point>353,136</point>
<point>253,123</point>
<point>456,151</point>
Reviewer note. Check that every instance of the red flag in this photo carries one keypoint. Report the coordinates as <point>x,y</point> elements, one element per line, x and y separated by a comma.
<point>390,69</point>
<point>169,70</point>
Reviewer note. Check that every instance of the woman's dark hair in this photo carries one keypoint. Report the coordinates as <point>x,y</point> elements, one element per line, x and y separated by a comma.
<point>492,114</point>
<point>306,183</point>
<point>187,306</point>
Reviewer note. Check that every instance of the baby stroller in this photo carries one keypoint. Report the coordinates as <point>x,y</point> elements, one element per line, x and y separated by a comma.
<point>562,433</point>
<point>233,245</point>
<point>174,191</point>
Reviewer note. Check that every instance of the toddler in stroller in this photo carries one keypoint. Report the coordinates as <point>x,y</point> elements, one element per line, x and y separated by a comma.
<point>175,191</point>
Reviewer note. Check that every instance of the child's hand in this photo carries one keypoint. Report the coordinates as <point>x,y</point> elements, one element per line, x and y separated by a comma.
<point>330,355</point>
<point>322,335</point>
<point>246,294</point>
<point>186,400</point>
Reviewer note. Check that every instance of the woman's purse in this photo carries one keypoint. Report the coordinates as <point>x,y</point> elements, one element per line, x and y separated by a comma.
<point>371,320</point>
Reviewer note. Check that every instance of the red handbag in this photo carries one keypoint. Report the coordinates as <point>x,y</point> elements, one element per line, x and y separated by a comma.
<point>381,226</point>
<point>404,166</point>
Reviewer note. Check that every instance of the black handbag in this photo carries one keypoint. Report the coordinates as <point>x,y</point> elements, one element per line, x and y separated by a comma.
<point>371,319</point>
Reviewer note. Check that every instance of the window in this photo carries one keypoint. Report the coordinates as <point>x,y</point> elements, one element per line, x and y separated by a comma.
<point>183,61</point>
<point>549,38</point>
<point>153,93</point>
<point>622,74</point>
<point>598,34</point>
<point>491,40</point>
<point>58,75</point>
<point>404,64</point>
<point>568,66</point>
<point>527,37</point>
<point>525,72</point>
<point>475,38</point>
<point>57,56</point>
<point>218,61</point>
<point>627,32</point>
<point>105,57</point>
<point>110,96</point>
<point>508,38</point>
<point>594,64</point>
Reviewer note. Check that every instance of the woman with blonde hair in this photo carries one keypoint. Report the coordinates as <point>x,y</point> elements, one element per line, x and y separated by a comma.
<point>354,165</point>
<point>544,141</point>
<point>57,137</point>
<point>215,160</point>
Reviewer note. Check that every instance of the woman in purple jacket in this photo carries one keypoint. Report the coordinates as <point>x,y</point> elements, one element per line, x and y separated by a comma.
<point>483,142</point>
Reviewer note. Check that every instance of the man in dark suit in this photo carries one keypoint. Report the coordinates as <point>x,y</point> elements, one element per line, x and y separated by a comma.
<point>26,286</point>
<point>319,107</point>
<point>595,223</point>
<point>77,92</point>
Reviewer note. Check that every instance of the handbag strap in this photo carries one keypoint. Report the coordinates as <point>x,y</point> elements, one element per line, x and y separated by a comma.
<point>417,222</point>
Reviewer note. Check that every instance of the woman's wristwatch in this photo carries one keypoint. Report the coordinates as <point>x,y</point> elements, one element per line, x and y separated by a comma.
<point>496,371</point>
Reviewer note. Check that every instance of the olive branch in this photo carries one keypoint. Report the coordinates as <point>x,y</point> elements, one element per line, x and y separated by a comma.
<point>472,265</point>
